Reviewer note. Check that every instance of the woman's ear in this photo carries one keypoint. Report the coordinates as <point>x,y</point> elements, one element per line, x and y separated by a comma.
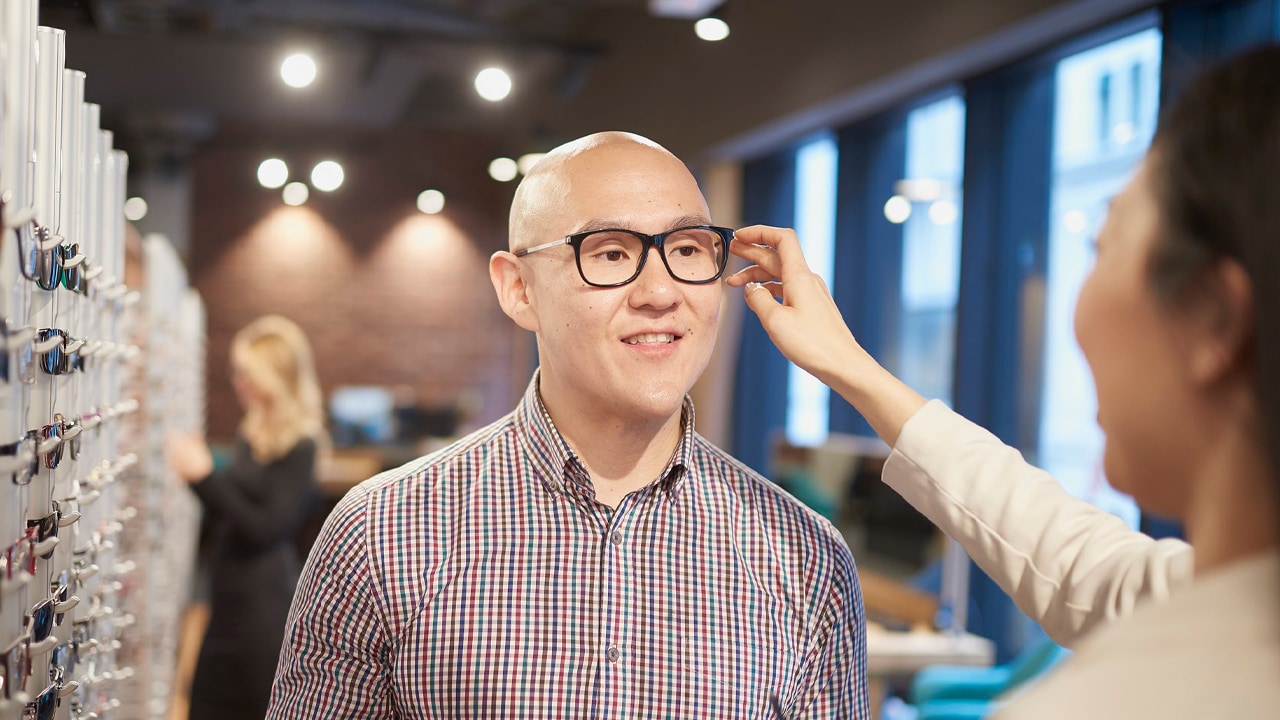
<point>514,291</point>
<point>1225,323</point>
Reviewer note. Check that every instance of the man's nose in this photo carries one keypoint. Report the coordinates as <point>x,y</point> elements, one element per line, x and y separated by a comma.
<point>655,286</point>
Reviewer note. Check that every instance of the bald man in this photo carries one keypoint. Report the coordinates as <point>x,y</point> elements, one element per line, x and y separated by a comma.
<point>588,555</point>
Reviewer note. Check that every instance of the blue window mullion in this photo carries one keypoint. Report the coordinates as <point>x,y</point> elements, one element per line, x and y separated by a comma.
<point>868,254</point>
<point>760,379</point>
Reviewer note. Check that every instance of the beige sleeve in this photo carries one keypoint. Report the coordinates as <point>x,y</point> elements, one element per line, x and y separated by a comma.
<point>1069,565</point>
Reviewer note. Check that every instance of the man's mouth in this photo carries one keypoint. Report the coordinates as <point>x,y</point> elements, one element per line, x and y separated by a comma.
<point>650,339</point>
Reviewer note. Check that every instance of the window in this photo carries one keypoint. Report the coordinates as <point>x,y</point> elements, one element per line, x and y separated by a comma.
<point>930,287</point>
<point>807,398</point>
<point>1114,88</point>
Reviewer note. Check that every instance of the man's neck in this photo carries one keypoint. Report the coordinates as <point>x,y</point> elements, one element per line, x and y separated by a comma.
<point>621,454</point>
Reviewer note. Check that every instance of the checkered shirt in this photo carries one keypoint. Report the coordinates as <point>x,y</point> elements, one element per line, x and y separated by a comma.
<point>486,581</point>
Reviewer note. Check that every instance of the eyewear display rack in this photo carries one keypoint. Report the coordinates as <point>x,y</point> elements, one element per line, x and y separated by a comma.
<point>96,538</point>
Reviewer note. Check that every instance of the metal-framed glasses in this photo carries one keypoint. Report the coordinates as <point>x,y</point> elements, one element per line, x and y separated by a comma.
<point>610,257</point>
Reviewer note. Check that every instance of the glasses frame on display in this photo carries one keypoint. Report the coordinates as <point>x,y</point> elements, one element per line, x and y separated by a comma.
<point>16,345</point>
<point>59,358</point>
<point>26,457</point>
<point>29,559</point>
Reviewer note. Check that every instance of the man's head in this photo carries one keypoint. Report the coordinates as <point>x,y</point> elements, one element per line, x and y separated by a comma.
<point>632,351</point>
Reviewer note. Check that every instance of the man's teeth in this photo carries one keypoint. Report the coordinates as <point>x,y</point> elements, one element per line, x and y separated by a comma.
<point>650,338</point>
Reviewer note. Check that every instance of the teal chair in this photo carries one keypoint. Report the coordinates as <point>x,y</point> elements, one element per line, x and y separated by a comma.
<point>944,692</point>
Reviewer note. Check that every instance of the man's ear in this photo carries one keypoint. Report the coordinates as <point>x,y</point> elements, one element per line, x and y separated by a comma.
<point>509,281</point>
<point>1226,323</point>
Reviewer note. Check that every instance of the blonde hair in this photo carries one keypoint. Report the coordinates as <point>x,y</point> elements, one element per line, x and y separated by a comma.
<point>277,360</point>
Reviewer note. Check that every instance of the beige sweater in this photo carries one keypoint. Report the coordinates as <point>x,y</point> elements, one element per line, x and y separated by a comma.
<point>1208,650</point>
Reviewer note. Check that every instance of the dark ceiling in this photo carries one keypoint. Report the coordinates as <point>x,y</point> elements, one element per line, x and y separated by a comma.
<point>170,73</point>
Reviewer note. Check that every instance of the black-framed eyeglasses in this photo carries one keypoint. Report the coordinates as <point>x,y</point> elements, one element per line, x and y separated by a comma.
<point>696,254</point>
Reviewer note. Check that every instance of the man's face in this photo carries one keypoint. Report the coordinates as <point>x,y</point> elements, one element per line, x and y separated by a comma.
<point>630,352</point>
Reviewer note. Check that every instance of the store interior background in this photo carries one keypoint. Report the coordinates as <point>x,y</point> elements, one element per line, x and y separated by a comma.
<point>397,299</point>
<point>192,91</point>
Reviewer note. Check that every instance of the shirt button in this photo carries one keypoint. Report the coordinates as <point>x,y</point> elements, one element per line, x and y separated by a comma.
<point>616,538</point>
<point>613,653</point>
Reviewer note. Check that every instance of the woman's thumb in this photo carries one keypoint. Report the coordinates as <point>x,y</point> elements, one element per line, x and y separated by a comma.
<point>760,300</point>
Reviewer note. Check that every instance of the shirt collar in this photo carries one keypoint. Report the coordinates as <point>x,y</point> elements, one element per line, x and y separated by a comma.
<point>558,463</point>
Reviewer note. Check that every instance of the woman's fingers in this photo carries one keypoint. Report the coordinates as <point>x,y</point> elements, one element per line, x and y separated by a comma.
<point>755,273</point>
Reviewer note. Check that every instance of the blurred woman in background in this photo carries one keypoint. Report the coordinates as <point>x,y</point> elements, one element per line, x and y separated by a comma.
<point>254,508</point>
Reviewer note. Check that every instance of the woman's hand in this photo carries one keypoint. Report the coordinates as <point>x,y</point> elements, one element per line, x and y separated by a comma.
<point>808,328</point>
<point>189,456</point>
<point>806,325</point>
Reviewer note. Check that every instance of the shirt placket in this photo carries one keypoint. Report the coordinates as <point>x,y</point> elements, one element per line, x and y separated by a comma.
<point>617,624</point>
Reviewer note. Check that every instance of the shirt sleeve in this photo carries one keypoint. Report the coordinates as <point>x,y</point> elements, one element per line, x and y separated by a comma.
<point>1067,564</point>
<point>336,658</point>
<point>275,516</point>
<point>835,682</point>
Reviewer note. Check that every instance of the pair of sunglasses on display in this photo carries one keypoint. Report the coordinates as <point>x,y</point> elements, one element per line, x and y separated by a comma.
<point>46,528</point>
<point>48,261</point>
<point>47,443</point>
<point>59,352</point>
<point>37,631</point>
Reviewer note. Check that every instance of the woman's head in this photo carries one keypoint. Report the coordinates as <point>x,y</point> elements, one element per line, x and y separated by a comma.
<point>1179,319</point>
<point>273,373</point>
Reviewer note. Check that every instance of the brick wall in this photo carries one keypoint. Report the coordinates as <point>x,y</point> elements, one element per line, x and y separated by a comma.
<point>387,295</point>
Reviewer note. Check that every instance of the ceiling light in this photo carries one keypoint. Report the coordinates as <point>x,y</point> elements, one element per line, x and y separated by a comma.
<point>135,208</point>
<point>897,209</point>
<point>711,29</point>
<point>493,84</point>
<point>295,193</point>
<point>272,173</point>
<point>503,169</point>
<point>943,212</point>
<point>431,201</point>
<point>327,176</point>
<point>526,162</point>
<point>298,70</point>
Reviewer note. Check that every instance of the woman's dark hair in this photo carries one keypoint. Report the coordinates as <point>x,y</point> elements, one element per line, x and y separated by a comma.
<point>1216,171</point>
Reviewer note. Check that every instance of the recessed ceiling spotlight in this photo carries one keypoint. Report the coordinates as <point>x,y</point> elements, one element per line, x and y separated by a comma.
<point>493,84</point>
<point>503,169</point>
<point>295,193</point>
<point>298,70</point>
<point>431,201</point>
<point>711,29</point>
<point>135,208</point>
<point>327,176</point>
<point>526,162</point>
<point>897,209</point>
<point>272,173</point>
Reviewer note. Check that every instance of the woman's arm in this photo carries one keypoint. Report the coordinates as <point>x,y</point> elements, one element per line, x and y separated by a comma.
<point>1069,565</point>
